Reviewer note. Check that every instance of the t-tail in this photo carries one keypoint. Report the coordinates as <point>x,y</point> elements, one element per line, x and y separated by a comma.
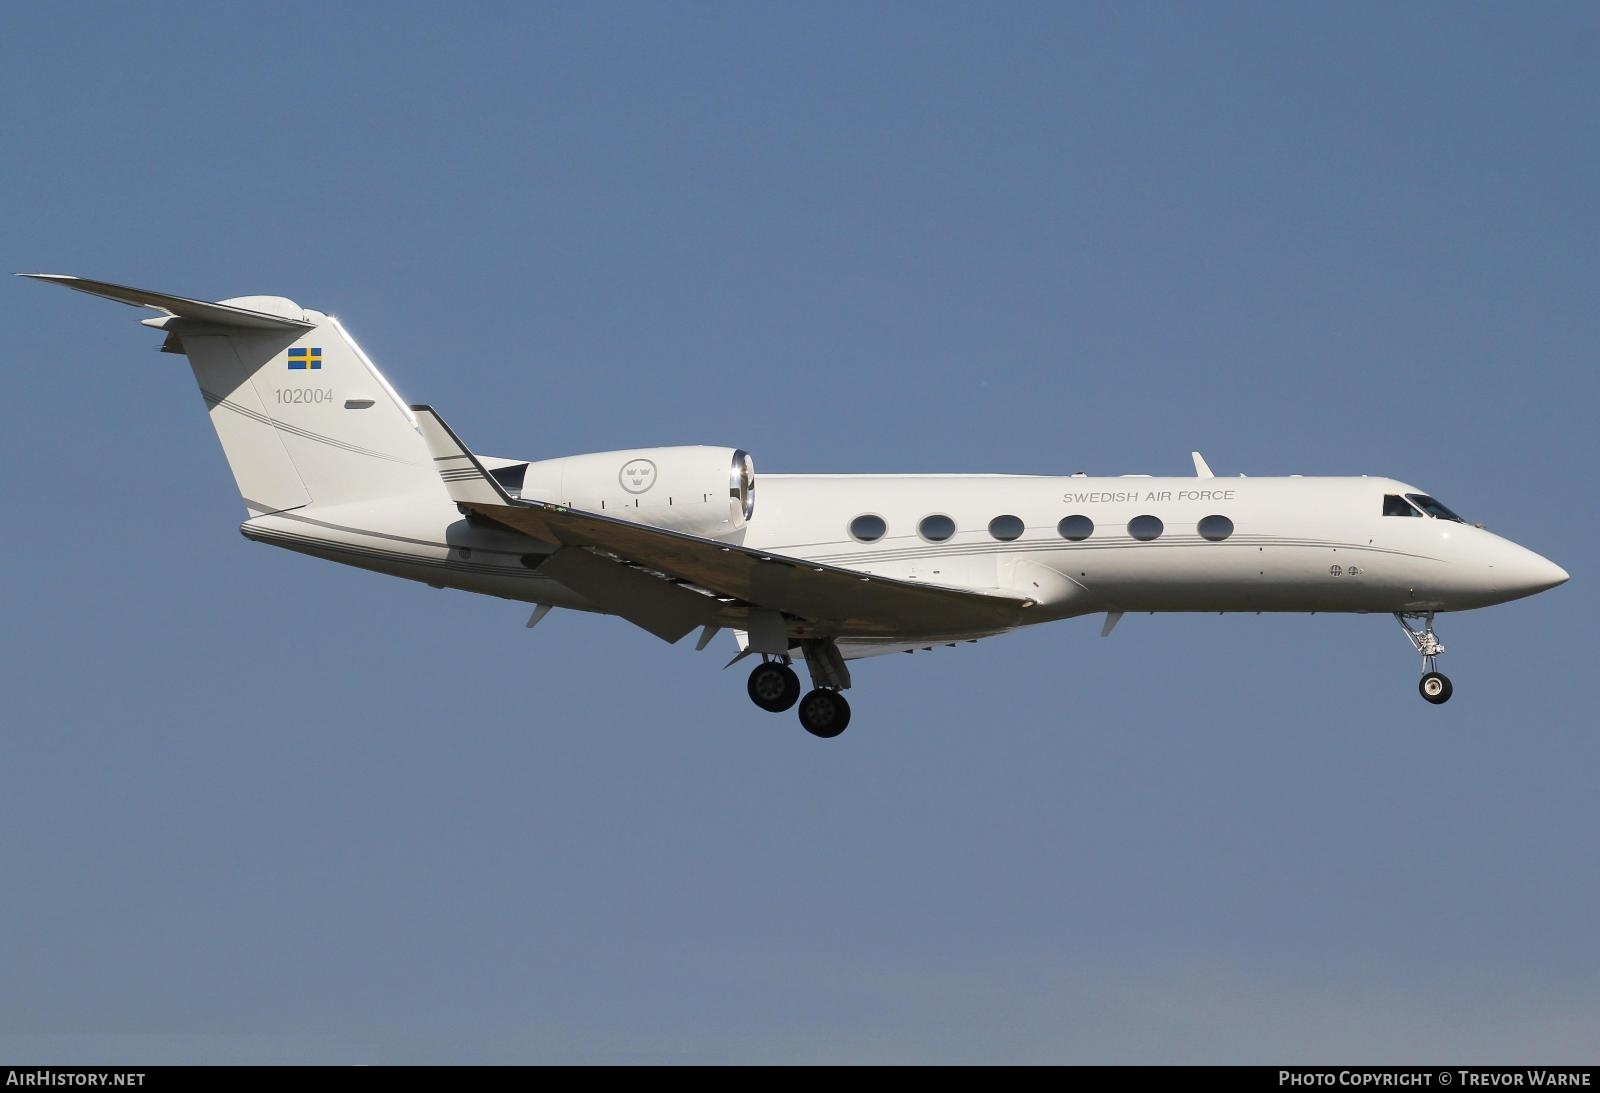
<point>303,415</point>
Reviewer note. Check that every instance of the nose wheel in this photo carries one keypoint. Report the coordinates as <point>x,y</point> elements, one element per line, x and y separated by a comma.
<point>1434,686</point>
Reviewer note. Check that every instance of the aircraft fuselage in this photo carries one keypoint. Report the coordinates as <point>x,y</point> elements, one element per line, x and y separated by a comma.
<point>330,462</point>
<point>1290,544</point>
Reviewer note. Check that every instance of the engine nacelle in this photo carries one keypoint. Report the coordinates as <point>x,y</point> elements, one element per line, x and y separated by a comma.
<point>695,489</point>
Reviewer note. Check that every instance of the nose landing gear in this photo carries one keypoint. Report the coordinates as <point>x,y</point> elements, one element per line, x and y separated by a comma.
<point>1435,685</point>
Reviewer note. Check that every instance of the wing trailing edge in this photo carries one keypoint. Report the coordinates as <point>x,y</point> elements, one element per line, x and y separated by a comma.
<point>815,599</point>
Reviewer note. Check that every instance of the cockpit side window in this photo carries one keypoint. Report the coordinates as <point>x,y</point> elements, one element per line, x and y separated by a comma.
<point>1432,507</point>
<point>1395,505</point>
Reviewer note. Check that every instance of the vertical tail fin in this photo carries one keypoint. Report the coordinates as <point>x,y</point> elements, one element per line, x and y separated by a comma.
<point>303,415</point>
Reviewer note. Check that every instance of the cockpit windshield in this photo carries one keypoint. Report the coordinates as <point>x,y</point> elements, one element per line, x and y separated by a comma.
<point>1432,508</point>
<point>1395,505</point>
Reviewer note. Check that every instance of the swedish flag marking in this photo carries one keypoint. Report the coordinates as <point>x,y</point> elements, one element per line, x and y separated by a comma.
<point>305,358</point>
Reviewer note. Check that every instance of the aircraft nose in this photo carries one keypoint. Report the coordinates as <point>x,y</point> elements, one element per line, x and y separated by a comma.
<point>1552,575</point>
<point>1527,573</point>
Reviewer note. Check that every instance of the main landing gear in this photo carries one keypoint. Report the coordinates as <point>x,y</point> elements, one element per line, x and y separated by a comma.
<point>775,687</point>
<point>824,713</point>
<point>1434,685</point>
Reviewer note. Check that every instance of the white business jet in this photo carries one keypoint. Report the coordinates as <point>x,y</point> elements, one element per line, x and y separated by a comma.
<point>828,568</point>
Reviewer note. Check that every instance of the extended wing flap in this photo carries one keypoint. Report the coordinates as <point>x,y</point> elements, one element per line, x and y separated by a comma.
<point>838,601</point>
<point>667,610</point>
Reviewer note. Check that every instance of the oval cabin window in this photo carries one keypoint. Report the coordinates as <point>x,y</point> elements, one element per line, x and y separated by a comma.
<point>1145,528</point>
<point>1006,528</point>
<point>1075,529</point>
<point>868,528</point>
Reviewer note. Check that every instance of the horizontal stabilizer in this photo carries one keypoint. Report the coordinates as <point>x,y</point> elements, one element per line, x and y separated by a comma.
<point>199,310</point>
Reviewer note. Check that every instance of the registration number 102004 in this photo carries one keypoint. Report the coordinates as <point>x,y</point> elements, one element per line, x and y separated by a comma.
<point>300,396</point>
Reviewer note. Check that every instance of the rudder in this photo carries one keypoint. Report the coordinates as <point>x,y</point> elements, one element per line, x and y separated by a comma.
<point>306,418</point>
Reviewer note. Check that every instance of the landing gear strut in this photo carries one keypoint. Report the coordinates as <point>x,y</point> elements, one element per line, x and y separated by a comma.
<point>824,712</point>
<point>1434,685</point>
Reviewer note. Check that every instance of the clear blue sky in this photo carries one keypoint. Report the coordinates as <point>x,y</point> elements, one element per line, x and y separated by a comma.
<point>256,806</point>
